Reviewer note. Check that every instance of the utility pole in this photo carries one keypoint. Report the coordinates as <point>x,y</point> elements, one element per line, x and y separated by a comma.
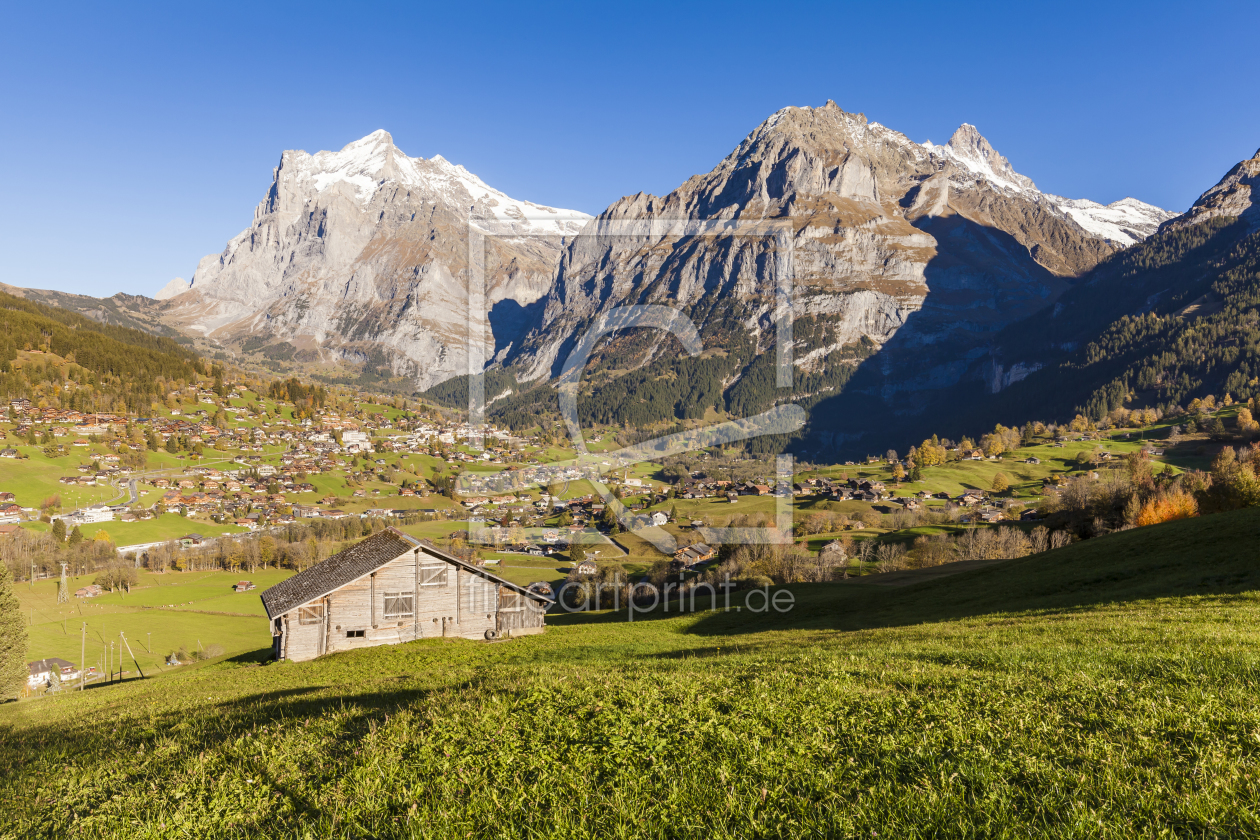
<point>83,656</point>
<point>149,645</point>
<point>63,586</point>
<point>133,656</point>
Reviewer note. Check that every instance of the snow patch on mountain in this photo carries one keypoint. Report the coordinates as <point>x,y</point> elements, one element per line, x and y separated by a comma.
<point>969,149</point>
<point>1122,222</point>
<point>374,161</point>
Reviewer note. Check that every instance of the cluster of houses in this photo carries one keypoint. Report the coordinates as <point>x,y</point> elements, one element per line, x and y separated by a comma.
<point>10,511</point>
<point>699,486</point>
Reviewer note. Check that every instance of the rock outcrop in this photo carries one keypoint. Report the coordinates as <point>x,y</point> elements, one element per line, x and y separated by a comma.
<point>361,255</point>
<point>1232,196</point>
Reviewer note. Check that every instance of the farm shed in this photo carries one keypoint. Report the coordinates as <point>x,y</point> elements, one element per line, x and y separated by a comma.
<point>391,588</point>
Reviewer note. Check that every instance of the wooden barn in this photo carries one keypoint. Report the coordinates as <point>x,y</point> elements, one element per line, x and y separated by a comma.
<point>391,588</point>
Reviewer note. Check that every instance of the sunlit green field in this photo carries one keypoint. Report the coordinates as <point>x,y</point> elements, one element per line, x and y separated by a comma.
<point>167,611</point>
<point>35,479</point>
<point>1105,690</point>
<point>168,526</point>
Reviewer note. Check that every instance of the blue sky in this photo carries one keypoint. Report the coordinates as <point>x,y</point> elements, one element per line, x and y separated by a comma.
<point>139,138</point>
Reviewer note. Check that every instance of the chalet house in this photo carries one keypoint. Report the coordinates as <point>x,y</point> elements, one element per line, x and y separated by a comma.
<point>390,588</point>
<point>587,567</point>
<point>835,548</point>
<point>693,554</point>
<point>40,672</point>
<point>971,497</point>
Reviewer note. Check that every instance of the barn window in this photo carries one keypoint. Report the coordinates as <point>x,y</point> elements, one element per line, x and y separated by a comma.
<point>399,604</point>
<point>311,615</point>
<point>433,575</point>
<point>356,634</point>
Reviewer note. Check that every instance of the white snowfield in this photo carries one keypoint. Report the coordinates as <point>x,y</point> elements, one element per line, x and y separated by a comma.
<point>374,161</point>
<point>1123,222</point>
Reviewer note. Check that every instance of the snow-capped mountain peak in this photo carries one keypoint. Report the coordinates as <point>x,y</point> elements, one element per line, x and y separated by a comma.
<point>969,149</point>
<point>1122,222</point>
<point>370,163</point>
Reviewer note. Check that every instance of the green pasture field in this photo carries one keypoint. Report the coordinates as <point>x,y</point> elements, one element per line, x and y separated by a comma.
<point>168,526</point>
<point>440,529</point>
<point>1103,690</point>
<point>35,479</point>
<point>166,610</point>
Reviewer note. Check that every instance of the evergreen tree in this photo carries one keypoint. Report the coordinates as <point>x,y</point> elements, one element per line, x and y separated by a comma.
<point>76,536</point>
<point>12,639</point>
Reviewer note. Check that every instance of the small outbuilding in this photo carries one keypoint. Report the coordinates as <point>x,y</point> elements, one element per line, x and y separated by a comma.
<point>391,588</point>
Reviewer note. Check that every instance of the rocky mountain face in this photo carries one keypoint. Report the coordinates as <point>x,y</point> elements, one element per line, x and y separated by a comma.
<point>906,259</point>
<point>1232,196</point>
<point>1169,319</point>
<point>361,255</point>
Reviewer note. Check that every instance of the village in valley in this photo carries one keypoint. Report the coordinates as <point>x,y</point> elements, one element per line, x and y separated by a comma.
<point>236,484</point>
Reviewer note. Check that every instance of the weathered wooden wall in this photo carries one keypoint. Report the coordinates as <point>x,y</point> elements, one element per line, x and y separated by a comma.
<point>448,602</point>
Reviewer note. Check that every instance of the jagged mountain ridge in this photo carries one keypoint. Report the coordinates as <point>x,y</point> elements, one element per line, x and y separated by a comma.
<point>361,255</point>
<point>136,312</point>
<point>937,246</point>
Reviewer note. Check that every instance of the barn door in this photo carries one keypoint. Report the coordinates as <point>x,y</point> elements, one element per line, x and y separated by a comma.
<point>511,614</point>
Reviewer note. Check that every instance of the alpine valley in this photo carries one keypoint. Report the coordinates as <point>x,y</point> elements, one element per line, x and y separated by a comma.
<point>932,287</point>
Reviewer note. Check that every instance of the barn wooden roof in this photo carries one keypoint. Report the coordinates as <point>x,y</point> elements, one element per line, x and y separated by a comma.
<point>356,561</point>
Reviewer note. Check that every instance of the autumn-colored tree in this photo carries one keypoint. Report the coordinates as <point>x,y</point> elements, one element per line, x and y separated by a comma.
<point>1174,505</point>
<point>266,550</point>
<point>1000,483</point>
<point>930,453</point>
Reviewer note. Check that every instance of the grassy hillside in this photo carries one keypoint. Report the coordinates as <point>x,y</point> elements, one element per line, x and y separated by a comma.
<point>1104,690</point>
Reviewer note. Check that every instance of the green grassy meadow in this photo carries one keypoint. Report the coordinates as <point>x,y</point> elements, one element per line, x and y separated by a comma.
<point>165,611</point>
<point>168,526</point>
<point>34,479</point>
<point>1103,690</point>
